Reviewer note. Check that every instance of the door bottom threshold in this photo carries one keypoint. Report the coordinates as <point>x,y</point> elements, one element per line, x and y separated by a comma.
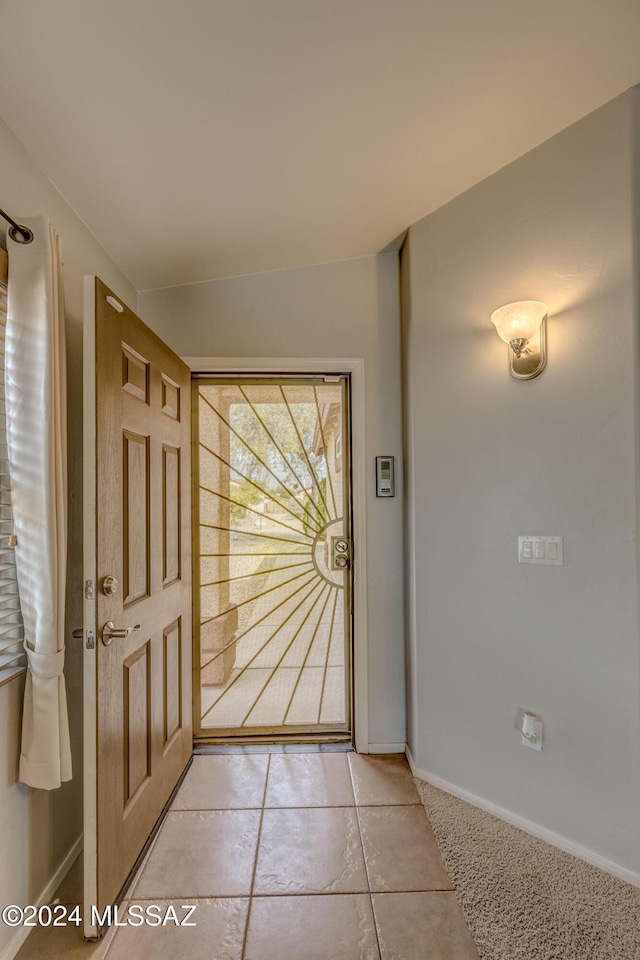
<point>276,748</point>
<point>339,740</point>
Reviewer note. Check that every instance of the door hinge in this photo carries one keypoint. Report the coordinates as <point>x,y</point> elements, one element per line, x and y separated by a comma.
<point>90,589</point>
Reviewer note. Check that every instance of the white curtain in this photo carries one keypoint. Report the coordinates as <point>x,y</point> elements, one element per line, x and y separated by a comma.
<point>35,386</point>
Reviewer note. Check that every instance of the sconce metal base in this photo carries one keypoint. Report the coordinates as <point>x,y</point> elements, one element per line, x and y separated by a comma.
<point>533,359</point>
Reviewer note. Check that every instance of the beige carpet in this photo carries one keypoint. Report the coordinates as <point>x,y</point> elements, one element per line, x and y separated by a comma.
<point>524,899</point>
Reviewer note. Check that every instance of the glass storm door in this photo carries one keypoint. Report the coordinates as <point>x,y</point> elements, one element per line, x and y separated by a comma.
<point>272,553</point>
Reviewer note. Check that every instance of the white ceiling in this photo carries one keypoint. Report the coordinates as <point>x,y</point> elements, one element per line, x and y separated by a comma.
<point>210,138</point>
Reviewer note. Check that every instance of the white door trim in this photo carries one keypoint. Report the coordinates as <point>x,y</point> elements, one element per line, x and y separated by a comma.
<point>89,669</point>
<point>319,366</point>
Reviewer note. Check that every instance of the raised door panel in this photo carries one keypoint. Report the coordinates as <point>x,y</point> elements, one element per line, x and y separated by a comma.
<point>137,720</point>
<point>136,516</point>
<point>170,398</point>
<point>172,698</point>
<point>135,374</point>
<point>171,519</point>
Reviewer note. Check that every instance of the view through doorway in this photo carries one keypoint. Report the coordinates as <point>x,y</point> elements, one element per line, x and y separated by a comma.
<point>272,554</point>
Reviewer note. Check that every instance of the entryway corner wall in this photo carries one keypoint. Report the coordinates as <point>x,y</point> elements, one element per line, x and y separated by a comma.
<point>309,314</point>
<point>490,458</point>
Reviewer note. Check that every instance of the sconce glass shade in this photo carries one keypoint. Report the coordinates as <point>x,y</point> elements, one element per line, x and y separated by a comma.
<point>519,321</point>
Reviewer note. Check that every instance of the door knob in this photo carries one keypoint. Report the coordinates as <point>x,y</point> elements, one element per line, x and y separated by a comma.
<point>109,632</point>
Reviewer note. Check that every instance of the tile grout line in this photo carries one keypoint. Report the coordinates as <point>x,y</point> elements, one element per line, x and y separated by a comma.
<point>255,860</point>
<point>309,806</point>
<point>290,896</point>
<point>364,857</point>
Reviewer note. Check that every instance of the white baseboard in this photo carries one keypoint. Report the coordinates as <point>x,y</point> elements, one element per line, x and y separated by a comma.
<point>21,934</point>
<point>555,839</point>
<point>387,747</point>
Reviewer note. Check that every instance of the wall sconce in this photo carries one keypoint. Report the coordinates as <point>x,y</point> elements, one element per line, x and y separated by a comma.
<point>523,325</point>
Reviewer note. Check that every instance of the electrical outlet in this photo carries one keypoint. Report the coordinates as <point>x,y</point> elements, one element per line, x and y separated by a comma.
<point>534,743</point>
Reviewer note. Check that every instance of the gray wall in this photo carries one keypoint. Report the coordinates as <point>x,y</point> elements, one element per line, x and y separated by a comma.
<point>346,309</point>
<point>38,827</point>
<point>490,458</point>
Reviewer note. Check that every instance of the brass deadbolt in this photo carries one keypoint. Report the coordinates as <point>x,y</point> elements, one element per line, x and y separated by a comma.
<point>110,586</point>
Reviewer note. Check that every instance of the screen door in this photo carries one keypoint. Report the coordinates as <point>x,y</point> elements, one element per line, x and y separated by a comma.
<point>272,553</point>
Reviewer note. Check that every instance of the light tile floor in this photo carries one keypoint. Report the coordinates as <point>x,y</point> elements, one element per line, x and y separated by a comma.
<point>287,856</point>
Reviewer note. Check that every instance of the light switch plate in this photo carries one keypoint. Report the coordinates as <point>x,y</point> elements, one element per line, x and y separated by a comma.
<point>538,549</point>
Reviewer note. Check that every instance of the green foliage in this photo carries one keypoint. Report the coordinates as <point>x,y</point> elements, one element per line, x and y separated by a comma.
<point>247,495</point>
<point>313,518</point>
<point>270,453</point>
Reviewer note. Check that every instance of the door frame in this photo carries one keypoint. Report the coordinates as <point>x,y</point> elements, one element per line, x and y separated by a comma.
<point>354,366</point>
<point>89,623</point>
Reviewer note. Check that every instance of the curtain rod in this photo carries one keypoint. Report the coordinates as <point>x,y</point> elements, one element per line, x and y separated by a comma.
<point>18,233</point>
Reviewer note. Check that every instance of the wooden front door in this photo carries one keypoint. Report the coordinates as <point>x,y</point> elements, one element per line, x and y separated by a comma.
<point>137,545</point>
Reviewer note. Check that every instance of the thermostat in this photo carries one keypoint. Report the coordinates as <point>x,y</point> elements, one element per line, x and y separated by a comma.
<point>385,477</point>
